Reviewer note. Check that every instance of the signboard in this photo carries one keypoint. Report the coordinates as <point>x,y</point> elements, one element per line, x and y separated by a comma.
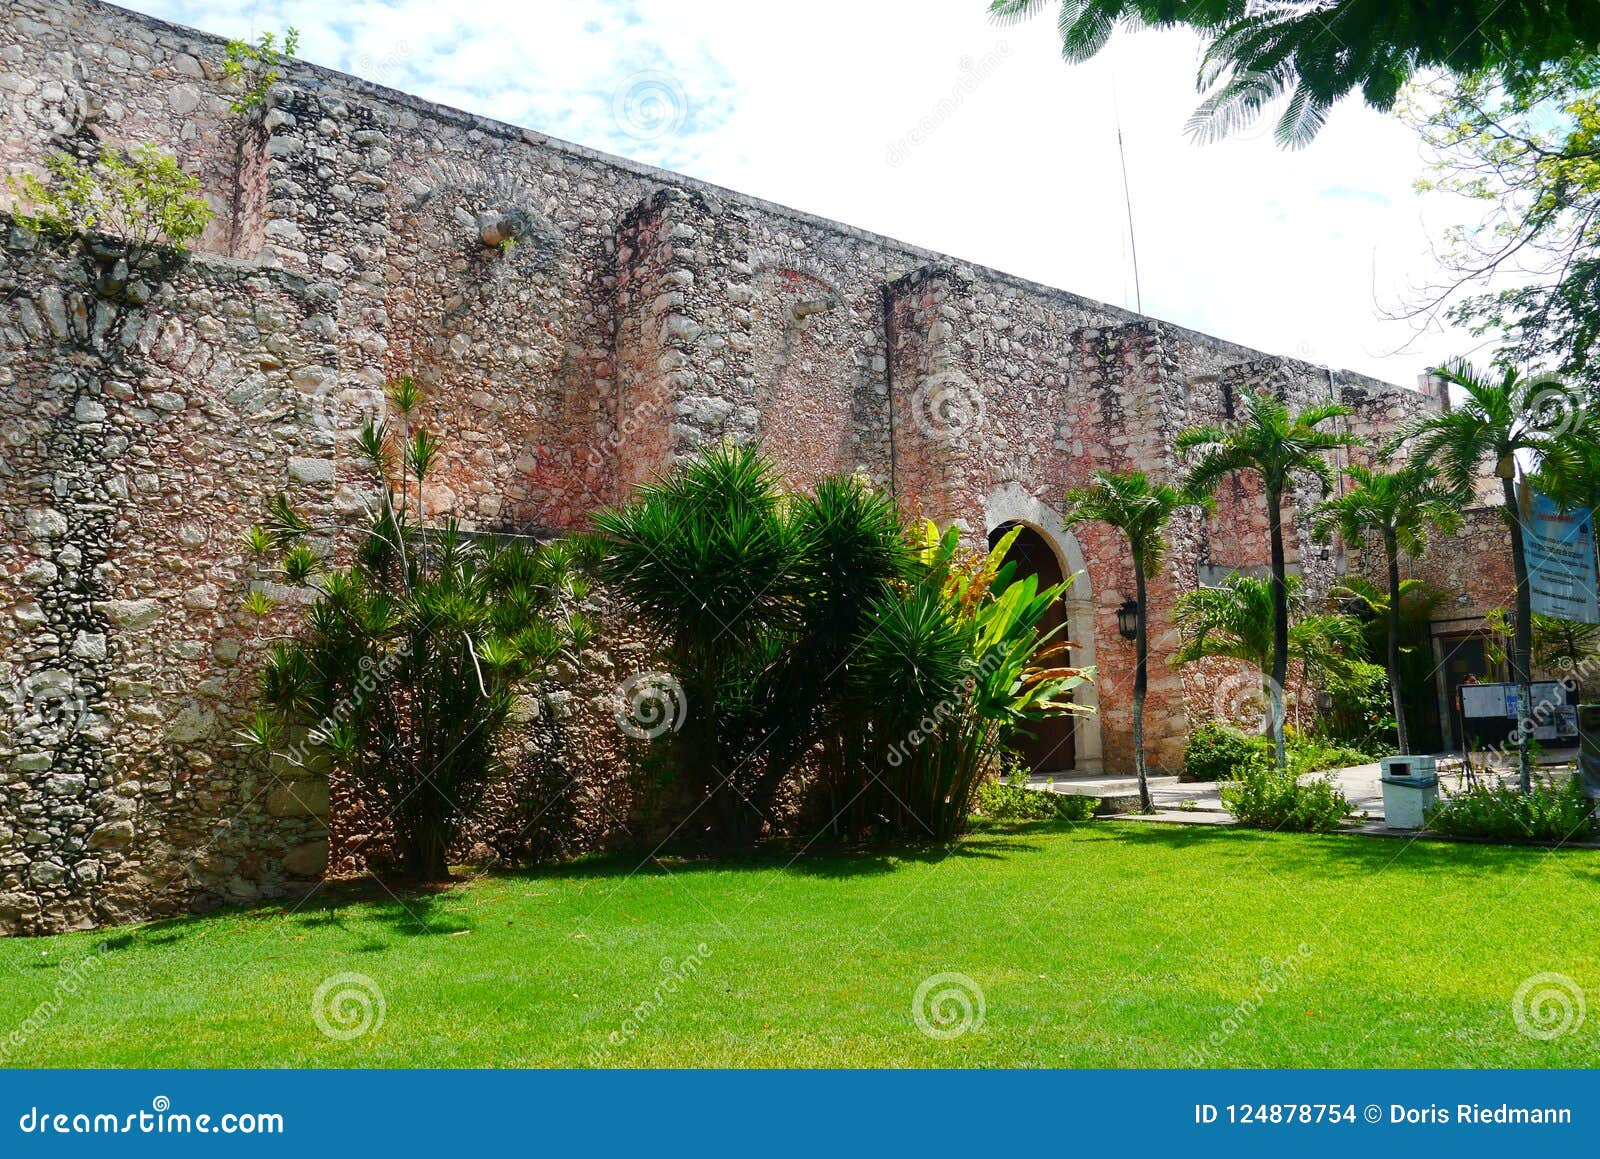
<point>1553,718</point>
<point>1559,548</point>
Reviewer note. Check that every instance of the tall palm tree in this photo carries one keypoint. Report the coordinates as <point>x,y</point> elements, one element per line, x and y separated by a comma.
<point>1282,447</point>
<point>1399,506</point>
<point>1233,621</point>
<point>1501,420</point>
<point>1141,510</point>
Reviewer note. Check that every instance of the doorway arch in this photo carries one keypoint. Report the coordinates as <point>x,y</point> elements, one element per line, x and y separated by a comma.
<point>1010,505</point>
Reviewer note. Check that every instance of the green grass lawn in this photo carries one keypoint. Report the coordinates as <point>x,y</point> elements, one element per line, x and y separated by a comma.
<point>1113,944</point>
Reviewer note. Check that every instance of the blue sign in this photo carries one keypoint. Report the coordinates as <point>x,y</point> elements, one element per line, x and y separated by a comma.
<point>1559,549</point>
<point>804,1114</point>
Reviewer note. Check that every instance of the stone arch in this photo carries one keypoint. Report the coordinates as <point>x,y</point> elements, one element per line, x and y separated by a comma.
<point>1011,503</point>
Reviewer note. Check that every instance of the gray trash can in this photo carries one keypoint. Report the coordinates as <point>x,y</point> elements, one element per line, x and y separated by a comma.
<point>1410,788</point>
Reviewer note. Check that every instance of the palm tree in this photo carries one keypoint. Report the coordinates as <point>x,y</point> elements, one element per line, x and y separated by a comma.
<point>1233,621</point>
<point>1280,446</point>
<point>1140,510</point>
<point>1398,506</point>
<point>1500,419</point>
<point>1315,53</point>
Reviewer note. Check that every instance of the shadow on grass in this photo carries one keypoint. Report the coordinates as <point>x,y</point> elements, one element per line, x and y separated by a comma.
<point>412,910</point>
<point>1349,854</point>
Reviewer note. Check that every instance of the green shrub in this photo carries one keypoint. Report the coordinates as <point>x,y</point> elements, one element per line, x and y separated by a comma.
<point>404,669</point>
<point>1012,800</point>
<point>1267,799</point>
<point>1550,812</point>
<point>1220,752</point>
<point>1314,755</point>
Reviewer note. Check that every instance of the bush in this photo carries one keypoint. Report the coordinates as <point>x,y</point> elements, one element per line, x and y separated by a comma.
<point>1220,752</point>
<point>1267,799</point>
<point>404,672</point>
<point>1314,755</point>
<point>1554,813</point>
<point>799,624</point>
<point>1012,800</point>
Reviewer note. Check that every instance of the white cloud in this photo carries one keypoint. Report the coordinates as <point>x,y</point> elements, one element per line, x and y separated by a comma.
<point>940,129</point>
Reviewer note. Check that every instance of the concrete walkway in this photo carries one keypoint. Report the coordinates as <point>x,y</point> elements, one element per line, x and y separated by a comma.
<point>1200,802</point>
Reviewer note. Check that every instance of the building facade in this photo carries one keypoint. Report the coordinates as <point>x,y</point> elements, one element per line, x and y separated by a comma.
<point>639,315</point>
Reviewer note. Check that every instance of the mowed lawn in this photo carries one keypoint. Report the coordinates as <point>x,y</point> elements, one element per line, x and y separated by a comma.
<point>1112,944</point>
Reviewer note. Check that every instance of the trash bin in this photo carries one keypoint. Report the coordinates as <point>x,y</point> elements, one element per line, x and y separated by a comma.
<point>1410,787</point>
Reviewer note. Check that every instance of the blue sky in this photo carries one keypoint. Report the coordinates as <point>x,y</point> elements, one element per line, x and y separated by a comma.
<point>925,122</point>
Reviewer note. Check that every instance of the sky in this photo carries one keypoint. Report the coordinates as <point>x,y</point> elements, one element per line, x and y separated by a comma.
<point>921,120</point>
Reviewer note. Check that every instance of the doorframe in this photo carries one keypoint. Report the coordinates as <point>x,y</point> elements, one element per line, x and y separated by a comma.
<point>1011,503</point>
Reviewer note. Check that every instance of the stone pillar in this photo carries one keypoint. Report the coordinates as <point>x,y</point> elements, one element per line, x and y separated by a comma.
<point>683,352</point>
<point>937,406</point>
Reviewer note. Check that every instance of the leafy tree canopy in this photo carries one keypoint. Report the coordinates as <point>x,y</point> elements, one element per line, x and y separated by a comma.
<point>1316,51</point>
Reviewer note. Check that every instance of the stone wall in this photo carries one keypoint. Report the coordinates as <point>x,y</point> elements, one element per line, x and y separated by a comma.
<point>578,322</point>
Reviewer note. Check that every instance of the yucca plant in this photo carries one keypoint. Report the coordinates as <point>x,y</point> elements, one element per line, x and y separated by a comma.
<point>403,673</point>
<point>952,668</point>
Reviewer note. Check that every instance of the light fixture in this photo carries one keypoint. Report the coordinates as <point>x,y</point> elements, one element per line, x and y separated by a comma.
<point>1128,620</point>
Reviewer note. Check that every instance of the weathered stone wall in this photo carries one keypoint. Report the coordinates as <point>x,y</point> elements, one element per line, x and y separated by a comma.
<point>138,443</point>
<point>577,322</point>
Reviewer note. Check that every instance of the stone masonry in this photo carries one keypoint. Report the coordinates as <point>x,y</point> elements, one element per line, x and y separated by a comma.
<point>639,315</point>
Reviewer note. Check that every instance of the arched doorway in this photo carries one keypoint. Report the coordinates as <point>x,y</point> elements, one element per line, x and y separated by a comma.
<point>1051,747</point>
<point>1010,503</point>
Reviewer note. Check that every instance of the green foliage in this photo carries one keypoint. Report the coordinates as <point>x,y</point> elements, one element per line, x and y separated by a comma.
<point>1266,798</point>
<point>1316,53</point>
<point>1567,648</point>
<point>145,199</point>
<point>804,624</point>
<point>1549,813</point>
<point>1399,505</point>
<point>257,67</point>
<point>1529,155</point>
<point>403,673</point>
<point>1011,800</point>
<point>1282,447</point>
<point>953,667</point>
<point>1233,620</point>
<point>1217,751</point>
<point>1362,712</point>
<point>1313,754</point>
<point>1135,506</point>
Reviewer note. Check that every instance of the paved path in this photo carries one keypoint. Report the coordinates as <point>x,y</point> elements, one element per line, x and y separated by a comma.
<point>1200,802</point>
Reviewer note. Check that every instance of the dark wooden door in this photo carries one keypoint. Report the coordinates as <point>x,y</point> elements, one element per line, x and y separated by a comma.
<point>1051,747</point>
